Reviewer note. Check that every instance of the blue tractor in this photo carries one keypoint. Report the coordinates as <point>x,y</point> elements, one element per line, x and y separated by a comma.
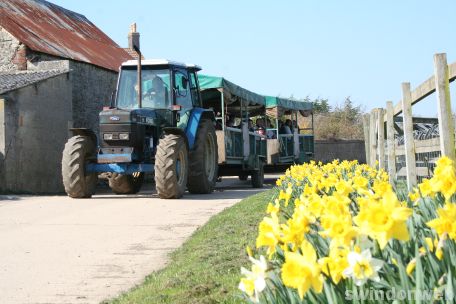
<point>155,123</point>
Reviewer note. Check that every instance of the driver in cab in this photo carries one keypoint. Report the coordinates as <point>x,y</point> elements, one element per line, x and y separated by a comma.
<point>154,93</point>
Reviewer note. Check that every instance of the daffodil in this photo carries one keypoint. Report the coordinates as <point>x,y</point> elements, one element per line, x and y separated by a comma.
<point>410,267</point>
<point>426,188</point>
<point>301,270</point>
<point>362,267</point>
<point>445,177</point>
<point>384,219</point>
<point>343,187</point>
<point>254,281</point>
<point>297,226</point>
<point>339,229</point>
<point>273,208</point>
<point>445,223</point>
<point>335,263</point>
<point>360,182</point>
<point>414,196</point>
<point>269,233</point>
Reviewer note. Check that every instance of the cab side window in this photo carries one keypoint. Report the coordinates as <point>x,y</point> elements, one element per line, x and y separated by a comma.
<point>194,90</point>
<point>182,89</point>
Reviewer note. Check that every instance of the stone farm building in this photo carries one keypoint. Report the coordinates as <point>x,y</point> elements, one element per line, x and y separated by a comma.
<point>57,69</point>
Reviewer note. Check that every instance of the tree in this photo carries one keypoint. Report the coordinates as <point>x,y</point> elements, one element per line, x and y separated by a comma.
<point>338,122</point>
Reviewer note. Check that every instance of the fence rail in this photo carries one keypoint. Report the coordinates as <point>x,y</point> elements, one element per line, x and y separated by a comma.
<point>415,158</point>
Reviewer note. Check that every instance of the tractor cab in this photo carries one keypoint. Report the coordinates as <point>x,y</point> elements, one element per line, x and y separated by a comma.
<point>166,86</point>
<point>135,122</point>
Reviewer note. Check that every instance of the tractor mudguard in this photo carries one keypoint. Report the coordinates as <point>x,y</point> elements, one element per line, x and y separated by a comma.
<point>85,132</point>
<point>193,122</point>
<point>176,131</point>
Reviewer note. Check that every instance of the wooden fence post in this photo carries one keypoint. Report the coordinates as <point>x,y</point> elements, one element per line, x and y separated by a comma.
<point>373,138</point>
<point>446,122</point>
<point>390,141</point>
<point>381,138</point>
<point>408,135</point>
<point>366,136</point>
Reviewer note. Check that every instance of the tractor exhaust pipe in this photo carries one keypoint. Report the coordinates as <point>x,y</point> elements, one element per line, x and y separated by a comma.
<point>133,39</point>
<point>139,78</point>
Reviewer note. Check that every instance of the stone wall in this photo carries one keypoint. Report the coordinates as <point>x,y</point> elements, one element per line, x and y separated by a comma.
<point>327,151</point>
<point>37,61</point>
<point>36,129</point>
<point>2,143</point>
<point>8,48</point>
<point>16,56</point>
<point>92,88</point>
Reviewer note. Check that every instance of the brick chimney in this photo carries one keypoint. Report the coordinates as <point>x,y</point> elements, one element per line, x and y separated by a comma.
<point>133,37</point>
<point>20,58</point>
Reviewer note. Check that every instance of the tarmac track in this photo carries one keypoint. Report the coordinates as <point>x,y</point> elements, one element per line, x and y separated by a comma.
<point>54,249</point>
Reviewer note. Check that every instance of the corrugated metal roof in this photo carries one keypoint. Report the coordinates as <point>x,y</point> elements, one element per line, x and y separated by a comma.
<point>51,29</point>
<point>10,81</point>
<point>133,53</point>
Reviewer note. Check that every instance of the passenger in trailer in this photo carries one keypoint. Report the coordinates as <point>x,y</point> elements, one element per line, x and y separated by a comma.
<point>259,123</point>
<point>295,126</point>
<point>271,134</point>
<point>261,131</point>
<point>230,121</point>
<point>218,121</point>
<point>250,126</point>
<point>286,127</point>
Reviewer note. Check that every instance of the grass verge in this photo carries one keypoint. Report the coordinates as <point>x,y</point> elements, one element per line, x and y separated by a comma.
<point>206,269</point>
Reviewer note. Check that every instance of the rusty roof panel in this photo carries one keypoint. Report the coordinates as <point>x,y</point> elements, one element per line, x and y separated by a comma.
<point>51,29</point>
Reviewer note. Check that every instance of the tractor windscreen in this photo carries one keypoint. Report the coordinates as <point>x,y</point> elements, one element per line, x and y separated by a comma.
<point>155,89</point>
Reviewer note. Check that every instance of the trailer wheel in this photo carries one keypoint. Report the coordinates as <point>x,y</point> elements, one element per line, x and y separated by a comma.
<point>77,153</point>
<point>126,184</point>
<point>258,176</point>
<point>243,177</point>
<point>171,167</point>
<point>203,173</point>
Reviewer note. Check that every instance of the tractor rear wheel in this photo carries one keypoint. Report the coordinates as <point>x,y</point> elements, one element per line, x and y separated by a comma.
<point>258,176</point>
<point>77,153</point>
<point>171,166</point>
<point>126,184</point>
<point>203,160</point>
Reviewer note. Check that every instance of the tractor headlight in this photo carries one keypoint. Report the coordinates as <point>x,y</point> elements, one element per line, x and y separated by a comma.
<point>124,136</point>
<point>107,136</point>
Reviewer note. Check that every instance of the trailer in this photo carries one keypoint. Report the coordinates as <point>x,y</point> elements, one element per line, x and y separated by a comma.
<point>295,146</point>
<point>241,151</point>
<point>245,152</point>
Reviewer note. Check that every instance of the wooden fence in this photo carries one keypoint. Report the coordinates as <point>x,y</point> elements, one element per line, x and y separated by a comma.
<point>387,153</point>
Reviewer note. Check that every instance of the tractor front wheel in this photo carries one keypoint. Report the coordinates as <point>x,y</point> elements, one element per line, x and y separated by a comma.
<point>126,184</point>
<point>171,166</point>
<point>77,153</point>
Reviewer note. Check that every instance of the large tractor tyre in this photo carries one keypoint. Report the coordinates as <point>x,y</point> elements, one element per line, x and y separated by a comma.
<point>203,160</point>
<point>77,153</point>
<point>258,176</point>
<point>126,184</point>
<point>171,167</point>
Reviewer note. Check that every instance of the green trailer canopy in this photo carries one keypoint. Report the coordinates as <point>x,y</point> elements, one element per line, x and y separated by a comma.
<point>287,104</point>
<point>231,91</point>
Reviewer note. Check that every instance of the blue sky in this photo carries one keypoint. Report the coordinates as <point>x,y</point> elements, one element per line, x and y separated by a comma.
<point>330,49</point>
